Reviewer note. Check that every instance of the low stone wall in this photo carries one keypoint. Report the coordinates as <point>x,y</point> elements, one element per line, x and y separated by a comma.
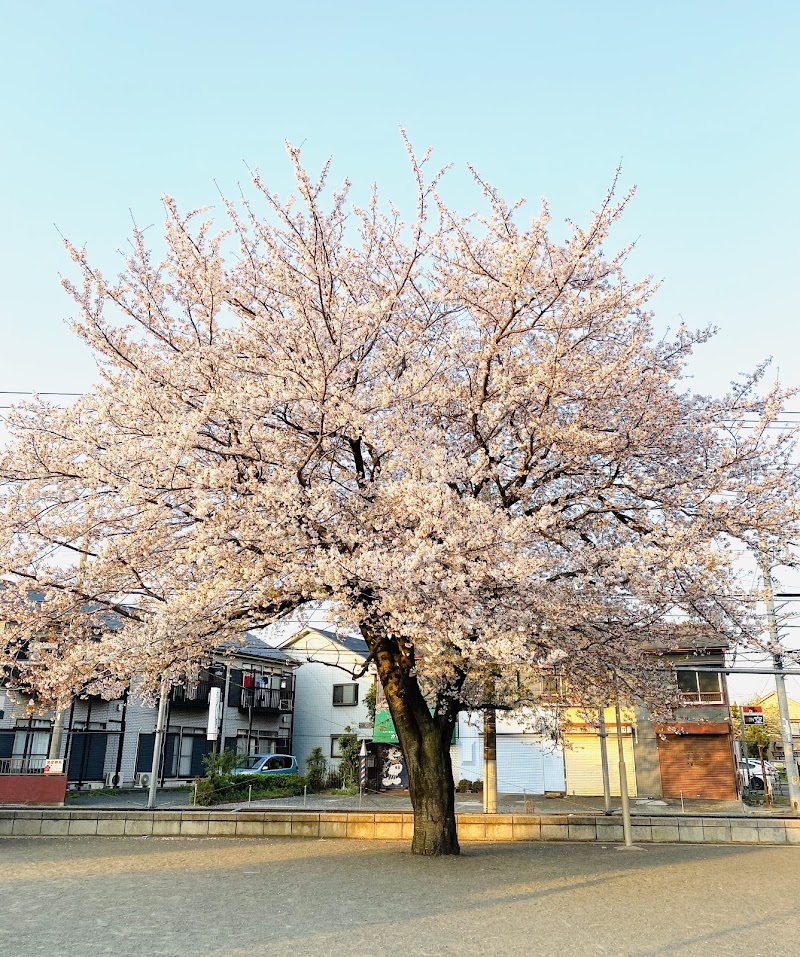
<point>367,825</point>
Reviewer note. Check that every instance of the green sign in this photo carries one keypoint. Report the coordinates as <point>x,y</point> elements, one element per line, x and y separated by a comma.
<point>384,730</point>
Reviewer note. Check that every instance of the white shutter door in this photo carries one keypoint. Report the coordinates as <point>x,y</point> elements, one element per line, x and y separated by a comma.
<point>524,765</point>
<point>584,770</point>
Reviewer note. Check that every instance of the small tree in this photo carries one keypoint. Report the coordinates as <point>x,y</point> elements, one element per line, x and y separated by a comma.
<point>759,737</point>
<point>316,769</point>
<point>349,749</point>
<point>371,701</point>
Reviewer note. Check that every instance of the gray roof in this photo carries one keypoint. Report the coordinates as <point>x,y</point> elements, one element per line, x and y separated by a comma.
<point>353,643</point>
<point>253,647</point>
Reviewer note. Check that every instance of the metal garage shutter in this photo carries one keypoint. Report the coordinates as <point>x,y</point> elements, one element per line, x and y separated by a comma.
<point>584,770</point>
<point>697,765</point>
<point>526,765</point>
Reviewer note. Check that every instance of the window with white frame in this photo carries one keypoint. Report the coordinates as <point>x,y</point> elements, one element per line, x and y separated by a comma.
<point>345,695</point>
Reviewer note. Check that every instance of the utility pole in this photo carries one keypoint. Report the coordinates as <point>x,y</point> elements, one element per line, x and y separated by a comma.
<point>158,744</point>
<point>55,738</point>
<point>780,684</point>
<point>623,782</point>
<point>489,751</point>
<point>603,735</point>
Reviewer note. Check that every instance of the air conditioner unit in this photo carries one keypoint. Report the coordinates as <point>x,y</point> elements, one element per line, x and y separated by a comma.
<point>142,779</point>
<point>113,780</point>
<point>285,704</point>
<point>286,719</point>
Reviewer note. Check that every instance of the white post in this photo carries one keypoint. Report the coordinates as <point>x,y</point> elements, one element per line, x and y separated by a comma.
<point>156,766</point>
<point>623,783</point>
<point>489,751</point>
<point>603,734</point>
<point>55,739</point>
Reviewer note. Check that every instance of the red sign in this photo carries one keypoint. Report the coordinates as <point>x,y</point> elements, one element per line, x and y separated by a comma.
<point>752,714</point>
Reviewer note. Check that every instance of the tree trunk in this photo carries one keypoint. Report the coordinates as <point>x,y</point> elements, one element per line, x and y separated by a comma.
<point>430,783</point>
<point>425,743</point>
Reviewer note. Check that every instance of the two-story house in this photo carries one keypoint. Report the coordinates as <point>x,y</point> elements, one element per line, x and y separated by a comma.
<point>332,688</point>
<point>111,742</point>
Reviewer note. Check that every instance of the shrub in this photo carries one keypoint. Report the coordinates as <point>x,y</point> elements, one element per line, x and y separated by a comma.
<point>333,780</point>
<point>317,770</point>
<point>465,786</point>
<point>216,789</point>
<point>349,749</point>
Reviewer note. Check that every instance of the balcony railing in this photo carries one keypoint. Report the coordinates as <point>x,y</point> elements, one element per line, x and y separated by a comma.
<point>30,765</point>
<point>266,699</point>
<point>702,697</point>
<point>194,695</point>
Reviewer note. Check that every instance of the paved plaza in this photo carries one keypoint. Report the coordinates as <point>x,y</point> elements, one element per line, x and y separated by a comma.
<point>175,799</point>
<point>225,898</point>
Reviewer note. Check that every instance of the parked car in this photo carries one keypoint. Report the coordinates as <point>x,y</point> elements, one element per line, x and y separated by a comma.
<point>267,764</point>
<point>750,769</point>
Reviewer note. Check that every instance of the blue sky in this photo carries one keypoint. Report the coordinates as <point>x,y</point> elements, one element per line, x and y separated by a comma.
<point>108,105</point>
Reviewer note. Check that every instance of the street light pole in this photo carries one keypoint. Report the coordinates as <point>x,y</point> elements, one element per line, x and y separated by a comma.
<point>156,766</point>
<point>603,734</point>
<point>55,739</point>
<point>780,685</point>
<point>490,750</point>
<point>623,782</point>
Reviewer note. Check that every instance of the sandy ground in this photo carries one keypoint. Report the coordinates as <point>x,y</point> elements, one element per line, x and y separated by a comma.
<point>226,898</point>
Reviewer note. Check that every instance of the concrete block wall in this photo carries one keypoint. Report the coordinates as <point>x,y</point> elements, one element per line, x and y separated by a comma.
<point>395,826</point>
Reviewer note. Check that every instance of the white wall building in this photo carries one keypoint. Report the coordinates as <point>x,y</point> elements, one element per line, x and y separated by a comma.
<point>528,761</point>
<point>329,699</point>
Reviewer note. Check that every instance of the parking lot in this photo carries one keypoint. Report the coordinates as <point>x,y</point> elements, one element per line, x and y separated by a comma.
<point>228,898</point>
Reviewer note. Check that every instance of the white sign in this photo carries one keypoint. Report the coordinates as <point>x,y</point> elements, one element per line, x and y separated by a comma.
<point>54,766</point>
<point>214,713</point>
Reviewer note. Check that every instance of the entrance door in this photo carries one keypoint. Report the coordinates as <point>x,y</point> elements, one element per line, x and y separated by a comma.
<point>87,756</point>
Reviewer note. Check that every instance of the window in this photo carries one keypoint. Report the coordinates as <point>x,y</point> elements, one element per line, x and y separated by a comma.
<point>552,687</point>
<point>700,687</point>
<point>335,749</point>
<point>345,695</point>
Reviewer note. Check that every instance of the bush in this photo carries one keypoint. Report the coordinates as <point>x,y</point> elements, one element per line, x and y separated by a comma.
<point>349,762</point>
<point>216,789</point>
<point>333,780</point>
<point>317,770</point>
<point>465,786</point>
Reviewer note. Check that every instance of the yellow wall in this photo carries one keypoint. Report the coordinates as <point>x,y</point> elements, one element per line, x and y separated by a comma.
<point>771,701</point>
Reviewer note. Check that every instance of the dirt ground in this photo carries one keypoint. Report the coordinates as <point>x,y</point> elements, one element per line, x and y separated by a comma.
<point>227,898</point>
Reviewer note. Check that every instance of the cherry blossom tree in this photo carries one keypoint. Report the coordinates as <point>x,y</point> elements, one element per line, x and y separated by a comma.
<point>457,429</point>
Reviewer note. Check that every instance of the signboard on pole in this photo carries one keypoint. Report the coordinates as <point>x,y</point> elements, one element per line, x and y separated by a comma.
<point>214,713</point>
<point>752,714</point>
